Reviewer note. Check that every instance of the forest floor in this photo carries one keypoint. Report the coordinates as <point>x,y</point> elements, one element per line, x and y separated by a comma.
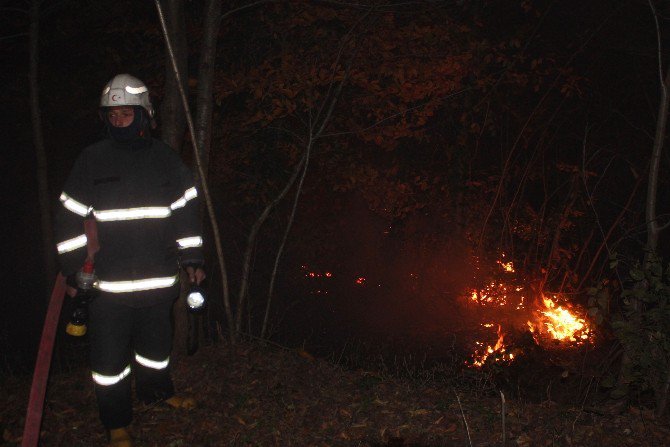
<point>256,394</point>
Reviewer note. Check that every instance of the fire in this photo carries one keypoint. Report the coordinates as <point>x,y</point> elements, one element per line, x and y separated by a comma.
<point>505,295</point>
<point>479,358</point>
<point>559,323</point>
<point>317,280</point>
<point>507,266</point>
<point>314,274</point>
<point>499,292</point>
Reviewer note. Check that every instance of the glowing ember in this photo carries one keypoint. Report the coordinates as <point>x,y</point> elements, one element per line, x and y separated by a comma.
<point>506,266</point>
<point>360,280</point>
<point>494,293</point>
<point>498,292</point>
<point>317,279</point>
<point>555,323</point>
<point>496,353</point>
<point>559,323</point>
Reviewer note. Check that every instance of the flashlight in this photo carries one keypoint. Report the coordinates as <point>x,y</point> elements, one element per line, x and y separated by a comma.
<point>85,279</point>
<point>196,299</point>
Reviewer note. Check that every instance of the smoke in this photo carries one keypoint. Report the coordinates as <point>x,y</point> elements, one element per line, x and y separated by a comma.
<point>414,273</point>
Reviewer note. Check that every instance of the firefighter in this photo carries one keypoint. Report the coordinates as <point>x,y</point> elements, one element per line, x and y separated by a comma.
<point>145,204</point>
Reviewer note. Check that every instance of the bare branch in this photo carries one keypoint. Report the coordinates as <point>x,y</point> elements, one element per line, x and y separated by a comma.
<point>10,9</point>
<point>196,152</point>
<point>13,36</point>
<point>659,45</point>
<point>241,8</point>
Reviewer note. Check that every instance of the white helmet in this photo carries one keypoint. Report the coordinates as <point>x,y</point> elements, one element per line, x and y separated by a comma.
<point>126,90</point>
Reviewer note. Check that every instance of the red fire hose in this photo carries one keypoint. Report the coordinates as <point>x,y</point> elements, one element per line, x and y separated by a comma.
<point>31,430</point>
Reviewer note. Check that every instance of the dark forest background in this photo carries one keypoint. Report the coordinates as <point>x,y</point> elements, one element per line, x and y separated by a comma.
<point>438,132</point>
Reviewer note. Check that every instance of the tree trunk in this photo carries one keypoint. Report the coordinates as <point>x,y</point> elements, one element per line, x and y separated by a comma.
<point>205,99</point>
<point>251,243</point>
<point>38,141</point>
<point>173,124</point>
<point>172,113</point>
<point>203,119</point>
<point>205,189</point>
<point>653,229</point>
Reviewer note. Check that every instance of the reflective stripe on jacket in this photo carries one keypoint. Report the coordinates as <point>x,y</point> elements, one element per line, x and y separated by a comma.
<point>146,207</point>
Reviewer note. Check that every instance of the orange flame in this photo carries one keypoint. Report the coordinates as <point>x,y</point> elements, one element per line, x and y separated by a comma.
<point>479,359</point>
<point>552,322</point>
<point>507,266</point>
<point>559,323</point>
<point>498,292</point>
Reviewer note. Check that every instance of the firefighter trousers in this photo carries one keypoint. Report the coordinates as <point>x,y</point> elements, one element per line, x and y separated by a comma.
<point>124,339</point>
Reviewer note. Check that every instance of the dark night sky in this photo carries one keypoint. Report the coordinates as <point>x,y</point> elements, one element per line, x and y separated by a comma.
<point>611,44</point>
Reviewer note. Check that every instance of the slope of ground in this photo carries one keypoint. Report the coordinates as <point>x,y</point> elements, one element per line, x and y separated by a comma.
<point>259,395</point>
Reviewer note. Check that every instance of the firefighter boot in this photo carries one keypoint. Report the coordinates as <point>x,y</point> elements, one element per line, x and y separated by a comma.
<point>181,402</point>
<point>119,437</point>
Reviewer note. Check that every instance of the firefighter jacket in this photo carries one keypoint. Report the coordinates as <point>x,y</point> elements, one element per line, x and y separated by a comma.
<point>145,204</point>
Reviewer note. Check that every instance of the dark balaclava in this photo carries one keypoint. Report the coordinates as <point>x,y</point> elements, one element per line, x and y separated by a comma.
<point>135,136</point>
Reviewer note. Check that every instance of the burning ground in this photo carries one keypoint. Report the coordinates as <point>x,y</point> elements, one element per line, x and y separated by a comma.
<point>263,395</point>
<point>490,310</point>
<point>503,364</point>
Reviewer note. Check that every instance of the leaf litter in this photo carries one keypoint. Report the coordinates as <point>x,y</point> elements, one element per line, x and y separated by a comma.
<point>254,394</point>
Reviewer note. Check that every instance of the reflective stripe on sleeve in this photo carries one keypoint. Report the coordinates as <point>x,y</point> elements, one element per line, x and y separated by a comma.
<point>71,244</point>
<point>137,285</point>
<point>149,212</point>
<point>74,206</point>
<point>110,380</point>
<point>189,194</point>
<point>190,242</point>
<point>153,364</point>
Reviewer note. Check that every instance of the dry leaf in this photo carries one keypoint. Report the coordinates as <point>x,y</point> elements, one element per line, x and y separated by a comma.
<point>345,412</point>
<point>304,354</point>
<point>523,440</point>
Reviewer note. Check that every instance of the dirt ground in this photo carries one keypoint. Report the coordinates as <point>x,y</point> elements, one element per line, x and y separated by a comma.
<point>259,395</point>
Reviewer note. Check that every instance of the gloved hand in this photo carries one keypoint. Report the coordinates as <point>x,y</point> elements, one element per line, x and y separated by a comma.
<point>71,283</point>
<point>196,274</point>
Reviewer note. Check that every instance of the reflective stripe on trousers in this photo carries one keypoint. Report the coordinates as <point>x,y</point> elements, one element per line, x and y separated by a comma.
<point>117,332</point>
<point>153,364</point>
<point>104,380</point>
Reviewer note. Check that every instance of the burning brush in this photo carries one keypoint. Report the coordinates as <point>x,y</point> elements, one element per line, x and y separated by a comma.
<point>552,324</point>
<point>558,323</point>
